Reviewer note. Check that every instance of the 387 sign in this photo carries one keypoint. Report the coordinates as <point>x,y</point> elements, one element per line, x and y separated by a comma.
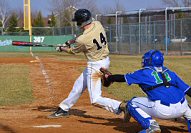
<point>38,39</point>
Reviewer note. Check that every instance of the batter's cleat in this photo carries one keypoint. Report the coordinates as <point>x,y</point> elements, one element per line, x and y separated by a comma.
<point>59,113</point>
<point>123,107</point>
<point>154,128</point>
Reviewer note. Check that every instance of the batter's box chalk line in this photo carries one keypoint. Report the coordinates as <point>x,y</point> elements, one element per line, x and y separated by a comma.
<point>47,126</point>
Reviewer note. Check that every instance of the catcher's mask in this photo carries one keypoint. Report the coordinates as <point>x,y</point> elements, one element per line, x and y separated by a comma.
<point>152,58</point>
<point>82,17</point>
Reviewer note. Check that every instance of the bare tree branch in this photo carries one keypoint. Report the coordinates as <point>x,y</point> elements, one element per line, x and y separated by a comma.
<point>187,3</point>
<point>171,2</point>
<point>61,5</point>
<point>177,3</point>
<point>90,5</point>
<point>64,8</point>
<point>118,7</point>
<point>4,12</point>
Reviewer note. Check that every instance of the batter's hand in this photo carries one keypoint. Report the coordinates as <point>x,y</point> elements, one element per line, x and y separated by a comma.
<point>69,42</point>
<point>60,47</point>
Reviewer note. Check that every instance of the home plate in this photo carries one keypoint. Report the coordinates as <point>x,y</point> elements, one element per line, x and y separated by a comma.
<point>47,126</point>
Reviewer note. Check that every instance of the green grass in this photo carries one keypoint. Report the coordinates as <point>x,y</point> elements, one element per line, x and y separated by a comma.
<point>16,87</point>
<point>15,54</point>
<point>121,64</point>
<point>15,84</point>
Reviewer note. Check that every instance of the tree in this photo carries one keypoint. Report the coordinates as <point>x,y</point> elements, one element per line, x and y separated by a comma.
<point>60,5</point>
<point>91,6</point>
<point>38,21</point>
<point>64,9</point>
<point>12,25</point>
<point>4,12</point>
<point>52,20</point>
<point>112,10</point>
<point>20,15</point>
<point>117,7</point>
<point>177,3</point>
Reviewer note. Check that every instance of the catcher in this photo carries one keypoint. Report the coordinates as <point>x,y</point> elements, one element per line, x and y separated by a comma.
<point>165,92</point>
<point>93,43</point>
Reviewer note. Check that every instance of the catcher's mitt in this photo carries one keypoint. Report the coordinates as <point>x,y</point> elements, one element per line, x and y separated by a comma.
<point>104,77</point>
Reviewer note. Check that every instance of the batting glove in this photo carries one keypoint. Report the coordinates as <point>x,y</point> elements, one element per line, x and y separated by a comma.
<point>59,49</point>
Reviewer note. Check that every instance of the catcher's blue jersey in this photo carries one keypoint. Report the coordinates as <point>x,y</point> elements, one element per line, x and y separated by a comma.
<point>149,77</point>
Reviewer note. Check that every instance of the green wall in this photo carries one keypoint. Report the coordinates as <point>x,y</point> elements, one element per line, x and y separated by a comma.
<point>6,42</point>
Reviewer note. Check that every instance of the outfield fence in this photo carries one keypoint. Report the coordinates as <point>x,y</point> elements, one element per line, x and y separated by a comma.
<point>6,42</point>
<point>133,38</point>
<point>138,38</point>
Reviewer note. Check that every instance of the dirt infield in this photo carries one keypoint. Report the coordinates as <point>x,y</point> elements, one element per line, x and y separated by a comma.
<point>50,91</point>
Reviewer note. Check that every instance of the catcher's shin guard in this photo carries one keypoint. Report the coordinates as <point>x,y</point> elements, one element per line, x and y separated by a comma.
<point>139,115</point>
<point>188,124</point>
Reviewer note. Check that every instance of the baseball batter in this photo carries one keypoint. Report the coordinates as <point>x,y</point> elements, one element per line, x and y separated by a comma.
<point>93,43</point>
<point>165,92</point>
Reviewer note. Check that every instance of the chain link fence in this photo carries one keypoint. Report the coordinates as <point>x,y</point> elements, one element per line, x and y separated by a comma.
<point>134,38</point>
<point>138,38</point>
<point>44,31</point>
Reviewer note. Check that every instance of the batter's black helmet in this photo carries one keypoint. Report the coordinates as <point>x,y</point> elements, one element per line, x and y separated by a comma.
<point>82,17</point>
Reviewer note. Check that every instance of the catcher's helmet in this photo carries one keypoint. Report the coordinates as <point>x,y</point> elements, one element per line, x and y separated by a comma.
<point>153,58</point>
<point>82,17</point>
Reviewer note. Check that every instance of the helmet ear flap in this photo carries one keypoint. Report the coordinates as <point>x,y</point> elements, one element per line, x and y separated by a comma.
<point>146,60</point>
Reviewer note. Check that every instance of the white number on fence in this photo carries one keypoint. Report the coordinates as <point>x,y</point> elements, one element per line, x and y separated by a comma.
<point>39,39</point>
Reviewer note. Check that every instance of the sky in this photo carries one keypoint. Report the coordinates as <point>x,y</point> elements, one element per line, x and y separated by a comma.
<point>129,5</point>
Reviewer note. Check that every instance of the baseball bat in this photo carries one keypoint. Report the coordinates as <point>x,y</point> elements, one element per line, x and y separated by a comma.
<point>31,44</point>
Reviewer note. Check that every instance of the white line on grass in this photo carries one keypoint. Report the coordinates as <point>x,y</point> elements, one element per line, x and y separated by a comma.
<point>47,79</point>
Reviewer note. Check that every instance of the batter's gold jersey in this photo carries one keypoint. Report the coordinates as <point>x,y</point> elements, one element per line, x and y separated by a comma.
<point>93,42</point>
